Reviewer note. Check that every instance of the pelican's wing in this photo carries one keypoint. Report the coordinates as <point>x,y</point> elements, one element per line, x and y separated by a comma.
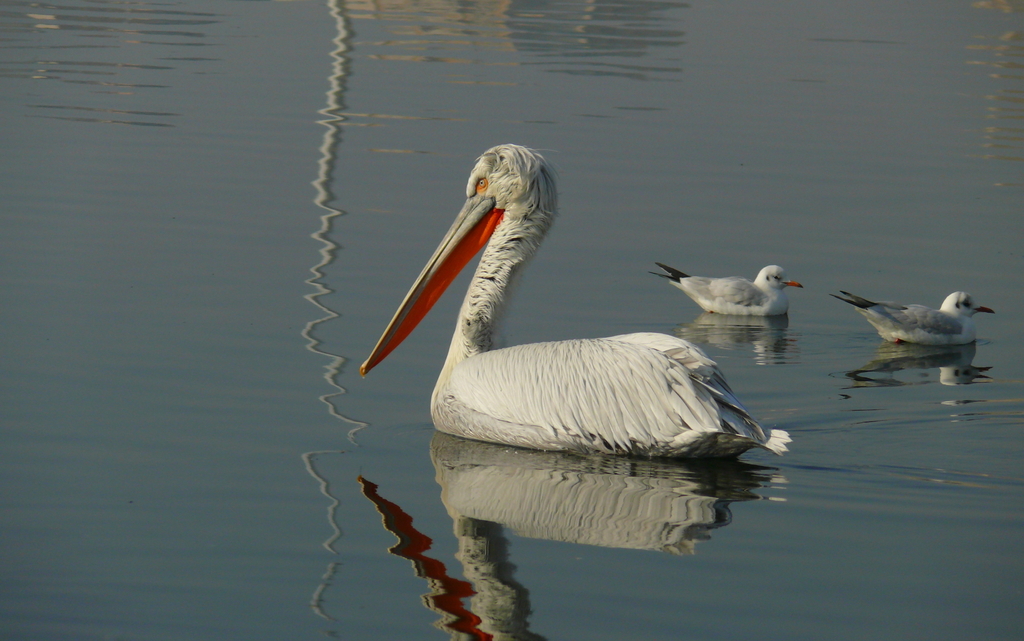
<point>649,394</point>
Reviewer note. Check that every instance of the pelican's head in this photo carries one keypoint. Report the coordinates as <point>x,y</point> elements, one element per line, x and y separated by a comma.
<point>774,277</point>
<point>962,304</point>
<point>517,179</point>
<point>511,191</point>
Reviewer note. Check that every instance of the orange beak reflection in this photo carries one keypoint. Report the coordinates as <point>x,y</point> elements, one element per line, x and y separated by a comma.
<point>469,233</point>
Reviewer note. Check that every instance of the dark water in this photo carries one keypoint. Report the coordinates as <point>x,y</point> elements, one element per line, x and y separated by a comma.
<point>210,211</point>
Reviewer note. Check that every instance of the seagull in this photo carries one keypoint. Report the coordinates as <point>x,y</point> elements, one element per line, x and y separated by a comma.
<point>951,324</point>
<point>734,295</point>
<point>646,394</point>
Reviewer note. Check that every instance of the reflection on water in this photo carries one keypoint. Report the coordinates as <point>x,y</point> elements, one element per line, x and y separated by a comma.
<point>447,594</point>
<point>108,541</point>
<point>325,199</point>
<point>954,363</point>
<point>578,36</point>
<point>581,33</point>
<point>488,42</point>
<point>666,506</point>
<point>769,335</point>
<point>1005,6</point>
<point>1002,55</point>
<point>85,45</point>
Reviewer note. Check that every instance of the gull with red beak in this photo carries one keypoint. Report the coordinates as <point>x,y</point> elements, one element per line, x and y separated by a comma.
<point>647,394</point>
<point>950,324</point>
<point>765,296</point>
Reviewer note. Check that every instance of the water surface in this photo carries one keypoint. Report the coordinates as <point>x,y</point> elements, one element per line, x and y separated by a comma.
<point>212,209</point>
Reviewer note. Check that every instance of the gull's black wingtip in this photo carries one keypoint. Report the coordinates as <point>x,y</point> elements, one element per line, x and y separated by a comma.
<point>671,273</point>
<point>854,300</point>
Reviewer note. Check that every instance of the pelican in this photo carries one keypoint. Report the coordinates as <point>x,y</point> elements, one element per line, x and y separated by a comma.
<point>648,394</point>
<point>951,324</point>
<point>734,295</point>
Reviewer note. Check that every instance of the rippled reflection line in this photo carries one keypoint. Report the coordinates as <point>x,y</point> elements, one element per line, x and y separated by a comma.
<point>324,199</point>
<point>113,31</point>
<point>126,112</point>
<point>115,6</point>
<point>50,33</point>
<point>116,65</point>
<point>328,251</point>
<point>1000,47</point>
<point>568,31</point>
<point>316,603</point>
<point>105,121</point>
<point>309,459</point>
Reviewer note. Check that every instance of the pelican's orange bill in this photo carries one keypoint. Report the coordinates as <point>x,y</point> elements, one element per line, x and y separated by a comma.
<point>455,251</point>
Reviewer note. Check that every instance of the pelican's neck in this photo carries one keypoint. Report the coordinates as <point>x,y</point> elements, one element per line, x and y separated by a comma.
<point>513,244</point>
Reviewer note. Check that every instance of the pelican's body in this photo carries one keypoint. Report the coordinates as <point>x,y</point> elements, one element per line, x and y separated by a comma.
<point>951,324</point>
<point>635,394</point>
<point>765,296</point>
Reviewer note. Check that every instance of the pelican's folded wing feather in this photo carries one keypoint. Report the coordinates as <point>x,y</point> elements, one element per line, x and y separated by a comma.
<point>551,394</point>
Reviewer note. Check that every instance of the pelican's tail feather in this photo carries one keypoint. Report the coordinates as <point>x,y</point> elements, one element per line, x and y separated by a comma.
<point>777,442</point>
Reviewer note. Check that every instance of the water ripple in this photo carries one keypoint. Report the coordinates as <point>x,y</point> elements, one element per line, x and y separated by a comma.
<point>60,43</point>
<point>578,40</point>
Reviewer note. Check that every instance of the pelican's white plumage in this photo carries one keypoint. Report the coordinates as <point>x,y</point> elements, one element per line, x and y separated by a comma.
<point>764,296</point>
<point>951,324</point>
<point>635,394</point>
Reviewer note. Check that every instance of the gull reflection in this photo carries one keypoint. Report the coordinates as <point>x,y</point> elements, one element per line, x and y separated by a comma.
<point>769,335</point>
<point>664,506</point>
<point>954,363</point>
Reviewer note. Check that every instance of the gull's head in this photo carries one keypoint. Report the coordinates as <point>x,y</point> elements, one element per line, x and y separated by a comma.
<point>774,277</point>
<point>962,304</point>
<point>518,179</point>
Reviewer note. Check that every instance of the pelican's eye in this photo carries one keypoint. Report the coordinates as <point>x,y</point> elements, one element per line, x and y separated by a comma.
<point>481,185</point>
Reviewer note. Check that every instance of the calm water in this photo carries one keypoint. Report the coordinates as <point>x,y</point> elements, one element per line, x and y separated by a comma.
<point>210,210</point>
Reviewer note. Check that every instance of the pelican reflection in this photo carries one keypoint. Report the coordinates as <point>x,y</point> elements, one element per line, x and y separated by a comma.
<point>769,335</point>
<point>660,505</point>
<point>954,363</point>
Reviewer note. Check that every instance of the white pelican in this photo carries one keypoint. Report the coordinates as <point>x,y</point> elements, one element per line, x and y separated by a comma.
<point>636,394</point>
<point>735,295</point>
<point>951,324</point>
